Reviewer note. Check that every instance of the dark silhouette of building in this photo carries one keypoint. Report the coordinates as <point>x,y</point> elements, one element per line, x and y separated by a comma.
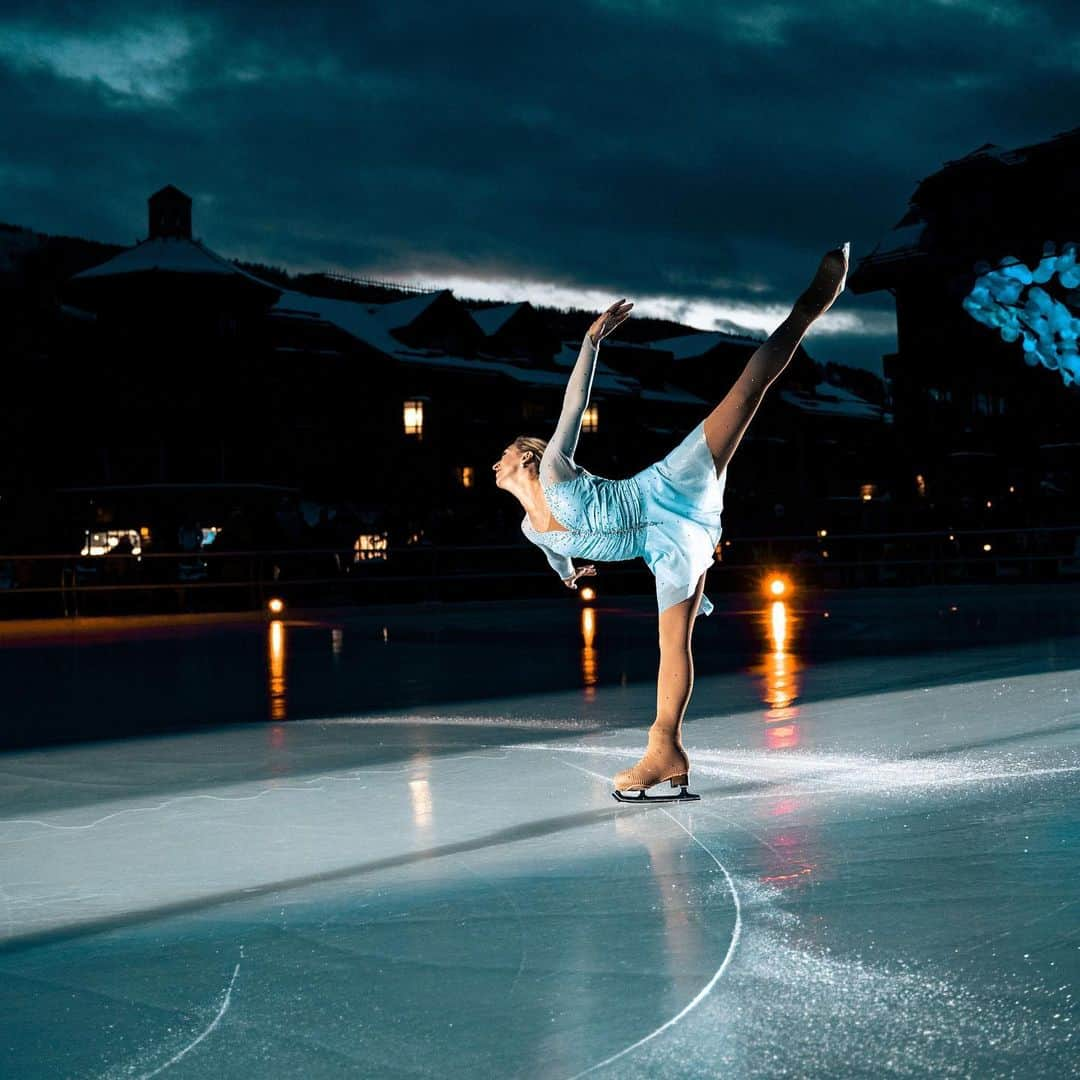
<point>974,423</point>
<point>165,367</point>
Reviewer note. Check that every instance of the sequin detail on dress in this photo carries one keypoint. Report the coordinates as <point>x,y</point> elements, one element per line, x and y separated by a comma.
<point>668,514</point>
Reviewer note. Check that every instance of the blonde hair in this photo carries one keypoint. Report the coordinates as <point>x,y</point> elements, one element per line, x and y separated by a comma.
<point>526,444</point>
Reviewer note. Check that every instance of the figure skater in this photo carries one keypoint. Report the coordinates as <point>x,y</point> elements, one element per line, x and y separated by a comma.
<point>668,514</point>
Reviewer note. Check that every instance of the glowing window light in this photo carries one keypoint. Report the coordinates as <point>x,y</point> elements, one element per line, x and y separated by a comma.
<point>822,533</point>
<point>867,491</point>
<point>986,547</point>
<point>590,421</point>
<point>465,475</point>
<point>414,417</point>
<point>101,543</point>
<point>1012,490</point>
<point>920,485</point>
<point>369,546</point>
<point>988,504</point>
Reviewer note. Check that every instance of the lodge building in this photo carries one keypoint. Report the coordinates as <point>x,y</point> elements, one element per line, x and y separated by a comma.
<point>176,377</point>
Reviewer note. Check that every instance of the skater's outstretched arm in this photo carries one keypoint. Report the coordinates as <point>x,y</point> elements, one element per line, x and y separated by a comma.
<point>561,564</point>
<point>566,570</point>
<point>557,464</point>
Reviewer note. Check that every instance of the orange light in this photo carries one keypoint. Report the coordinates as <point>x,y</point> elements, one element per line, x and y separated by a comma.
<point>588,594</point>
<point>777,586</point>
<point>276,606</point>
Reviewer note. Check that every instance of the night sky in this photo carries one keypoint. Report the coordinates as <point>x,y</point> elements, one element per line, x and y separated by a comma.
<point>696,158</point>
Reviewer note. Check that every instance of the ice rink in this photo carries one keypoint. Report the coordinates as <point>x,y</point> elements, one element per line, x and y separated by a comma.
<point>383,843</point>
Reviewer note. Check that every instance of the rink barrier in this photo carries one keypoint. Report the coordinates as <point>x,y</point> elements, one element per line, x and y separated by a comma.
<point>63,584</point>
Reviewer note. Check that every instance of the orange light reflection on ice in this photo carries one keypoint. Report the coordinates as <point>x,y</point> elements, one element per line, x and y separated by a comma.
<point>782,736</point>
<point>276,650</point>
<point>588,652</point>
<point>781,670</point>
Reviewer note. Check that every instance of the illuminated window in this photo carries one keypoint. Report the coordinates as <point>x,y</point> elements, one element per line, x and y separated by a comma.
<point>101,543</point>
<point>414,417</point>
<point>920,485</point>
<point>465,475</point>
<point>867,491</point>
<point>369,546</point>
<point>591,420</point>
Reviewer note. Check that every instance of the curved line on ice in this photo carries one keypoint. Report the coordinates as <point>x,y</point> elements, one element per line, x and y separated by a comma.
<point>191,1046</point>
<point>704,991</point>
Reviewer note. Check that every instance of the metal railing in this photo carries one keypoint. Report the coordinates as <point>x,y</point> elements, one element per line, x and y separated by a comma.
<point>64,584</point>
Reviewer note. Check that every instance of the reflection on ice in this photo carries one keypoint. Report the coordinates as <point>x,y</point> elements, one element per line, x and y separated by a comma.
<point>275,646</point>
<point>588,652</point>
<point>781,669</point>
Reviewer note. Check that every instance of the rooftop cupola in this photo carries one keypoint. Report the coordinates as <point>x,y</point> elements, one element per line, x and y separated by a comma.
<point>170,214</point>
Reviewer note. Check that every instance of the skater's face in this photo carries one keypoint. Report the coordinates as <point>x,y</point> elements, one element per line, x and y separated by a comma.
<point>510,463</point>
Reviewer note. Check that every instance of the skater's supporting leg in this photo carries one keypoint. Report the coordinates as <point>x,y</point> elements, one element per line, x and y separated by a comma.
<point>675,680</point>
<point>664,757</point>
<point>726,424</point>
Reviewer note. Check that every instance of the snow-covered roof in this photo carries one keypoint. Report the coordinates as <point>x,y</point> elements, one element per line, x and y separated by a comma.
<point>401,313</point>
<point>171,255</point>
<point>491,320</point>
<point>991,152</point>
<point>371,324</point>
<point>361,321</point>
<point>688,346</point>
<point>829,400</point>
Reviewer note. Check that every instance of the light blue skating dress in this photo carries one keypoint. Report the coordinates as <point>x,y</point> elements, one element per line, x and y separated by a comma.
<point>668,514</point>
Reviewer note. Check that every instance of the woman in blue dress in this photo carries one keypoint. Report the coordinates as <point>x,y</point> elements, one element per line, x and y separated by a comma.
<point>667,514</point>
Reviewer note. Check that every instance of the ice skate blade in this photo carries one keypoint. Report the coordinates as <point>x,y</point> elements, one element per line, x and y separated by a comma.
<point>641,797</point>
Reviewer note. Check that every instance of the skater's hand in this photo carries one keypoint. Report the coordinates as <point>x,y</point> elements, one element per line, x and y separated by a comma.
<point>609,320</point>
<point>581,571</point>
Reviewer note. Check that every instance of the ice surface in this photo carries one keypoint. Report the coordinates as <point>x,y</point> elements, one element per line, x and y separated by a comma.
<point>881,878</point>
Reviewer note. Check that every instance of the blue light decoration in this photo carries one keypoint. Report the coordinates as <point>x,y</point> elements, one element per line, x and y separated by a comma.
<point>1047,327</point>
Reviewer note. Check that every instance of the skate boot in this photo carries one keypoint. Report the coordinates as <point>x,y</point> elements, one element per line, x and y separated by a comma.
<point>828,283</point>
<point>664,759</point>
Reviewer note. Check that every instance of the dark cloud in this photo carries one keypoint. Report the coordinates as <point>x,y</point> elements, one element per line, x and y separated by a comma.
<point>705,150</point>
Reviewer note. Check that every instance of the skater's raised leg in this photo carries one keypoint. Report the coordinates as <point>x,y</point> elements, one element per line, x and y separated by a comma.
<point>726,424</point>
<point>664,758</point>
